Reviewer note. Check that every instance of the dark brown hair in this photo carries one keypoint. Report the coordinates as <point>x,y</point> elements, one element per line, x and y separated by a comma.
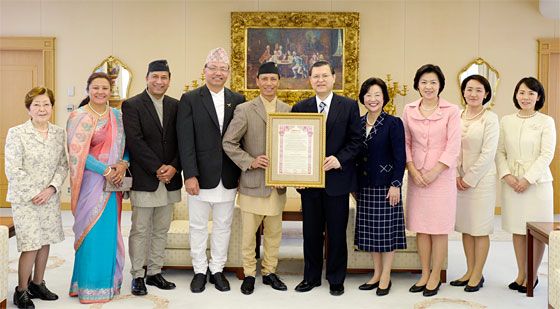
<point>37,91</point>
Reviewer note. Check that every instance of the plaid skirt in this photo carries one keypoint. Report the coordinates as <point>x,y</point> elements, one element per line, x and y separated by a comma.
<point>379,226</point>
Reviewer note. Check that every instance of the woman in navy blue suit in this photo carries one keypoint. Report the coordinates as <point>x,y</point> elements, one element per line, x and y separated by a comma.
<point>381,163</point>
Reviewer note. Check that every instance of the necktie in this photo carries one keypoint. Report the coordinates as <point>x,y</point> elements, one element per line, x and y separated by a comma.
<point>322,106</point>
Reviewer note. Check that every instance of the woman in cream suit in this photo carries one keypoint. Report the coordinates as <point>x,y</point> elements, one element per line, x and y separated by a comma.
<point>476,179</point>
<point>525,151</point>
<point>36,167</point>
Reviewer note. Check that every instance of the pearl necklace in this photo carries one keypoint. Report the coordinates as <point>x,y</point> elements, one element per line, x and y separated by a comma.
<point>428,109</point>
<point>473,117</point>
<point>367,121</point>
<point>526,116</point>
<point>98,114</point>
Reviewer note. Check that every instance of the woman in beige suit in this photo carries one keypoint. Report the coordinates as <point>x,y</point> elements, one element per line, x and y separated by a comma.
<point>36,167</point>
<point>476,179</point>
<point>245,143</point>
<point>525,151</point>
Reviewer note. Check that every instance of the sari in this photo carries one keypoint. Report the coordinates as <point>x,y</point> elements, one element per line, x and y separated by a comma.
<point>94,144</point>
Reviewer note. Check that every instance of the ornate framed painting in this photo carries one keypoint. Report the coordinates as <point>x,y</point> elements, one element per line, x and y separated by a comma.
<point>294,41</point>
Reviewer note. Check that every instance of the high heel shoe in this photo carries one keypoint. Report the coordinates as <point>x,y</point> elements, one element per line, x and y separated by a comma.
<point>383,292</point>
<point>523,289</point>
<point>475,288</point>
<point>459,282</point>
<point>427,292</point>
<point>368,286</point>
<point>514,286</point>
<point>417,288</point>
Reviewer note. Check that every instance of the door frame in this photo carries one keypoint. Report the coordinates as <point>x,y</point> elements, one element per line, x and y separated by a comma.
<point>546,47</point>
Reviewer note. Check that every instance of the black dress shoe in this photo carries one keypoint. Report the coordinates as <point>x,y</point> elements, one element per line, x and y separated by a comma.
<point>417,288</point>
<point>22,299</point>
<point>383,292</point>
<point>198,283</point>
<point>427,292</point>
<point>523,289</point>
<point>274,282</point>
<point>248,285</point>
<point>138,287</point>
<point>160,282</point>
<point>475,288</point>
<point>40,291</point>
<point>305,286</point>
<point>514,286</point>
<point>336,289</point>
<point>459,282</point>
<point>220,282</point>
<point>367,286</point>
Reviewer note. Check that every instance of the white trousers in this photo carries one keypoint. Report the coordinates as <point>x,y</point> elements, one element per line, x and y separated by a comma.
<point>222,215</point>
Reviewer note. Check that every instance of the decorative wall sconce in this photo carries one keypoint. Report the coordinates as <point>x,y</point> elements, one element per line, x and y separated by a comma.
<point>393,91</point>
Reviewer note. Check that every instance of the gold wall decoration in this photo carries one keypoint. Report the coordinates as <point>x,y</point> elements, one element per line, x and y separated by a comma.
<point>393,89</point>
<point>294,40</point>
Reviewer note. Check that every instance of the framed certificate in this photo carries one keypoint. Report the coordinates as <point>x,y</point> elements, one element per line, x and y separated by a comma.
<point>295,147</point>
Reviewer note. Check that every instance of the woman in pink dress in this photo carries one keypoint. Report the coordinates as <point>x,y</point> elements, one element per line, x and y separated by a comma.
<point>432,142</point>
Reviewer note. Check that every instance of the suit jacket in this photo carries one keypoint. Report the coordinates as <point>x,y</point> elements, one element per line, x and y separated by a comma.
<point>343,141</point>
<point>200,139</point>
<point>149,144</point>
<point>382,158</point>
<point>245,140</point>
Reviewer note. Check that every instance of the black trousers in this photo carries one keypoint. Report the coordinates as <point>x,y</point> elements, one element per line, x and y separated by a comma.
<point>321,213</point>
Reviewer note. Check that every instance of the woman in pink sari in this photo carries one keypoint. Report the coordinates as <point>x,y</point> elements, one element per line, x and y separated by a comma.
<point>96,145</point>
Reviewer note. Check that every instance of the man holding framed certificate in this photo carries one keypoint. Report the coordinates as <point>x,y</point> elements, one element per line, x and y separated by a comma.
<point>328,207</point>
<point>245,143</point>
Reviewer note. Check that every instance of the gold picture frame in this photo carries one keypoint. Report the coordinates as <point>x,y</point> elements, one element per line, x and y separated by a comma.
<point>303,135</point>
<point>481,67</point>
<point>334,36</point>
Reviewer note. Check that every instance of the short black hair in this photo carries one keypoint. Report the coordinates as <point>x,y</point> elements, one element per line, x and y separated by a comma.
<point>481,79</point>
<point>533,84</point>
<point>370,82</point>
<point>321,63</point>
<point>430,68</point>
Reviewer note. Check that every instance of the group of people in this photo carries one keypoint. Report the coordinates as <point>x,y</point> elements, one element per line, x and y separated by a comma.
<point>217,141</point>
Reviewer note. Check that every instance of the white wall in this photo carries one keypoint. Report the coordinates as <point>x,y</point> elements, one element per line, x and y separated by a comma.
<point>396,37</point>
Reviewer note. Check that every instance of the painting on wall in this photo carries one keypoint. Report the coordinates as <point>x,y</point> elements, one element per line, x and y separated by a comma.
<point>294,41</point>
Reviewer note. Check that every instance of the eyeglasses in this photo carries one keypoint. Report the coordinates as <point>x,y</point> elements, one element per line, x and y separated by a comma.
<point>318,77</point>
<point>214,69</point>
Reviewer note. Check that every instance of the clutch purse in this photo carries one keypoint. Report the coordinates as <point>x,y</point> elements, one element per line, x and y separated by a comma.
<point>125,186</point>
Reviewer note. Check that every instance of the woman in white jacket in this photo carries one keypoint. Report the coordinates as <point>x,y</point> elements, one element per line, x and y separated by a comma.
<point>525,151</point>
<point>476,179</point>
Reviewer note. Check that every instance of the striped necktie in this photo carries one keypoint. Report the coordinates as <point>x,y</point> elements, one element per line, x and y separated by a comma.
<point>322,106</point>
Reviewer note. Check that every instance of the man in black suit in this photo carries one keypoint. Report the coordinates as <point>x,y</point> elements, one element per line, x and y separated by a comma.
<point>329,205</point>
<point>149,120</point>
<point>211,178</point>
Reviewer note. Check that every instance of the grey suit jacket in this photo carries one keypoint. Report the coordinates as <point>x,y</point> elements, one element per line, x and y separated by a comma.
<point>245,139</point>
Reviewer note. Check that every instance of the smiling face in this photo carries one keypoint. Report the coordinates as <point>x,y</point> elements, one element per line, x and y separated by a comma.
<point>322,80</point>
<point>428,86</point>
<point>216,74</point>
<point>526,98</point>
<point>373,99</point>
<point>40,109</point>
<point>157,83</point>
<point>474,93</point>
<point>268,85</point>
<point>99,91</point>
